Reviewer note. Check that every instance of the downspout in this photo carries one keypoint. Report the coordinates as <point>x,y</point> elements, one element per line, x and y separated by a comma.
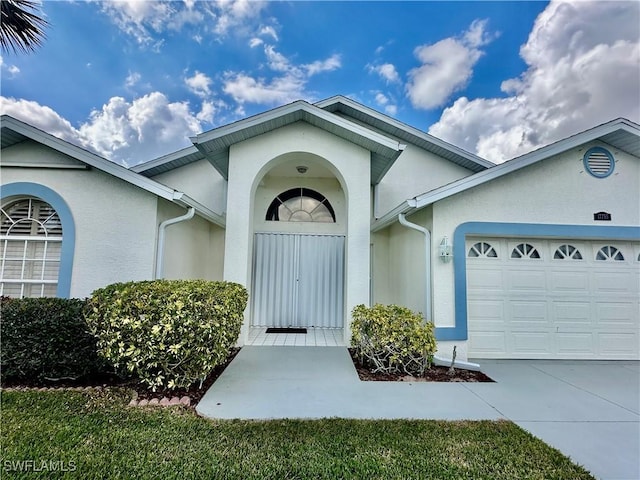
<point>161,236</point>
<point>427,268</point>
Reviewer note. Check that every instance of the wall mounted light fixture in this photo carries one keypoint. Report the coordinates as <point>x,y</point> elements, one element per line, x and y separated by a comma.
<point>445,250</point>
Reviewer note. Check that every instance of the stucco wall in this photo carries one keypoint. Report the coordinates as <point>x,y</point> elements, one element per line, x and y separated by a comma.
<point>200,181</point>
<point>252,159</point>
<point>194,249</point>
<point>399,260</point>
<point>416,171</point>
<point>115,221</point>
<point>554,191</point>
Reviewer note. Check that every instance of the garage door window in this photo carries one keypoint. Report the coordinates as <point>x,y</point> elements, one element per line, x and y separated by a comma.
<point>482,250</point>
<point>525,250</point>
<point>609,253</point>
<point>567,252</point>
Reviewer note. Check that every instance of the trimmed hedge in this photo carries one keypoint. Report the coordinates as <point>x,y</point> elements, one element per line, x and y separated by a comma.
<point>169,333</point>
<point>46,338</point>
<point>392,339</point>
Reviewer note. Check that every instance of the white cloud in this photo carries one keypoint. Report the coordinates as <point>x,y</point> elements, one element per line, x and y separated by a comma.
<point>244,88</point>
<point>255,42</point>
<point>42,117</point>
<point>269,31</point>
<point>146,21</point>
<point>147,127</point>
<point>236,15</point>
<point>12,69</point>
<point>199,84</point>
<point>328,65</point>
<point>387,71</point>
<point>207,112</point>
<point>447,66</point>
<point>125,132</point>
<point>288,86</point>
<point>389,107</point>
<point>582,70</point>
<point>132,79</point>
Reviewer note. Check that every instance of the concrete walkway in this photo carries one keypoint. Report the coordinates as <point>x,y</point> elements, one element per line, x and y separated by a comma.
<point>588,410</point>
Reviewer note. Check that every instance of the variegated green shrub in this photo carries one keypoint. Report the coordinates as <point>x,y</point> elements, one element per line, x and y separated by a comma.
<point>170,333</point>
<point>392,339</point>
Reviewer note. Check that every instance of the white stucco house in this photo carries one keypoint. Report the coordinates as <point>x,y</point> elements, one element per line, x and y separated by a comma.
<point>316,208</point>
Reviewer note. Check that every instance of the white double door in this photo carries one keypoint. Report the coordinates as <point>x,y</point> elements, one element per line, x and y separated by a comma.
<point>298,280</point>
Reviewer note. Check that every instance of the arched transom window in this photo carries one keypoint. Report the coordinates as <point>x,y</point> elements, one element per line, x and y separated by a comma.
<point>482,249</point>
<point>31,241</point>
<point>301,205</point>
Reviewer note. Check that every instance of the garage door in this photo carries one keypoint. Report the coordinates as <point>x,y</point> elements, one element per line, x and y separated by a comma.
<point>532,298</point>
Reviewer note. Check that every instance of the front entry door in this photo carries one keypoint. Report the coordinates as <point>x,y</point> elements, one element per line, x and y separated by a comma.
<point>298,280</point>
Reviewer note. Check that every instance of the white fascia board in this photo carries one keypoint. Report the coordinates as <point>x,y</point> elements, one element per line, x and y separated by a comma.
<point>186,201</point>
<point>156,162</point>
<point>89,158</point>
<point>299,105</point>
<point>510,166</point>
<point>407,128</point>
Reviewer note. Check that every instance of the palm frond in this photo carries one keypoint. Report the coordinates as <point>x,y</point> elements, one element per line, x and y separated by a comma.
<point>21,28</point>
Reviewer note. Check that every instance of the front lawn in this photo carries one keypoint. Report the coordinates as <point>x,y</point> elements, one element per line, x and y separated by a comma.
<point>94,435</point>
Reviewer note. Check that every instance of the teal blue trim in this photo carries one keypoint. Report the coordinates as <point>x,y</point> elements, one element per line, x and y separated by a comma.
<point>590,232</point>
<point>612,161</point>
<point>28,189</point>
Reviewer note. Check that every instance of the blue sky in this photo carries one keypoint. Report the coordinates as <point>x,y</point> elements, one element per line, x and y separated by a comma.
<point>132,80</point>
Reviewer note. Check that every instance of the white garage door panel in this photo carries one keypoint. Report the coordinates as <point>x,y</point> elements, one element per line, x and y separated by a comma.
<point>570,281</point>
<point>553,306</point>
<point>618,345</point>
<point>530,342</point>
<point>530,313</point>
<point>529,281</point>
<point>488,342</point>
<point>571,314</point>
<point>575,343</point>
<point>612,282</point>
<point>615,314</point>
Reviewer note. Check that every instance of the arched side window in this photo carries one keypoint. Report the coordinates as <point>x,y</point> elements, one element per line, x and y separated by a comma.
<point>482,250</point>
<point>567,252</point>
<point>31,241</point>
<point>609,253</point>
<point>525,250</point>
<point>301,205</point>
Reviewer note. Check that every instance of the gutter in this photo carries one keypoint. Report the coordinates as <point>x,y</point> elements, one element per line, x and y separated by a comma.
<point>161,238</point>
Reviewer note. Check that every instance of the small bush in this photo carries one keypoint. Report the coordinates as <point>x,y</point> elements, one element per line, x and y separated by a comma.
<point>392,339</point>
<point>46,338</point>
<point>169,333</point>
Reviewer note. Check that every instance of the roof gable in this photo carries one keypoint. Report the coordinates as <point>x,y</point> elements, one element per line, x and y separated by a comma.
<point>14,131</point>
<point>621,134</point>
<point>214,144</point>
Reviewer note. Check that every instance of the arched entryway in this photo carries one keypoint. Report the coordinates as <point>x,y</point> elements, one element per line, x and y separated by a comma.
<point>298,266</point>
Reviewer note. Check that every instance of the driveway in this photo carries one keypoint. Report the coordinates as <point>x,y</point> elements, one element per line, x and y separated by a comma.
<point>589,410</point>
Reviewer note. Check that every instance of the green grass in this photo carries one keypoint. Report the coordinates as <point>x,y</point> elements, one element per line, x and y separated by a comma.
<point>105,439</point>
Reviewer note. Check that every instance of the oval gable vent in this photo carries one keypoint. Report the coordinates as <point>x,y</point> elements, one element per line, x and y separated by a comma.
<point>599,162</point>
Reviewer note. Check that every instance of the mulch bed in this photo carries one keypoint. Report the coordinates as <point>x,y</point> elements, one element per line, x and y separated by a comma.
<point>195,393</point>
<point>434,374</point>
